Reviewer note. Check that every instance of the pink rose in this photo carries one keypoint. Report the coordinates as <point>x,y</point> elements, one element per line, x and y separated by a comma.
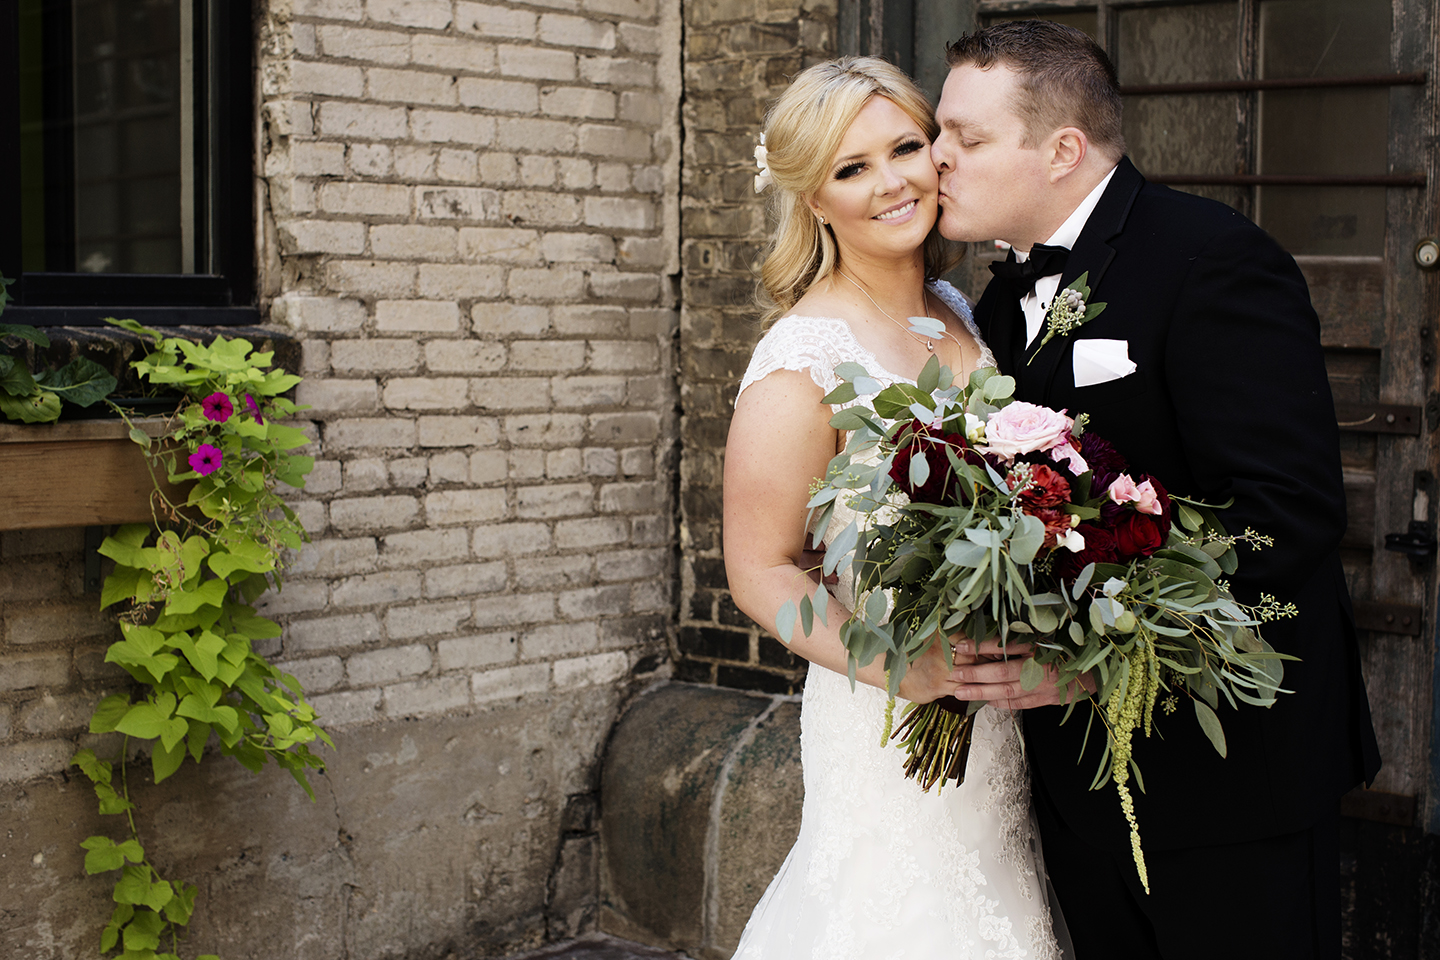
<point>1143,495</point>
<point>1148,500</point>
<point>1025,428</point>
<point>1067,454</point>
<point>1123,490</point>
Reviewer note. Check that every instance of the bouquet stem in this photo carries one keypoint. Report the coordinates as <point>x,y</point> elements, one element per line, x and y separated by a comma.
<point>936,737</point>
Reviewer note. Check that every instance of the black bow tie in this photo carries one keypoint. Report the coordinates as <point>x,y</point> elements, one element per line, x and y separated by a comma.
<point>1044,261</point>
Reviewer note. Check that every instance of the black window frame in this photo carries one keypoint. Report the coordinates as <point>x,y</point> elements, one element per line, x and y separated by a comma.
<point>224,298</point>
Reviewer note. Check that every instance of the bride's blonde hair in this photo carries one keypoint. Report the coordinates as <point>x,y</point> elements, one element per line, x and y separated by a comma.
<point>803,129</point>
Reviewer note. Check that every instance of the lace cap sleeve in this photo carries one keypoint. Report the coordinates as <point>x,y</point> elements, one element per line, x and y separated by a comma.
<point>816,345</point>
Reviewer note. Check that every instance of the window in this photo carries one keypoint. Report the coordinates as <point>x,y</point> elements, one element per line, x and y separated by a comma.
<point>130,188</point>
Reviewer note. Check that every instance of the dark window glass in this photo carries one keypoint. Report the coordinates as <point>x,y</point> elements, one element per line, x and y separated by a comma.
<point>130,187</point>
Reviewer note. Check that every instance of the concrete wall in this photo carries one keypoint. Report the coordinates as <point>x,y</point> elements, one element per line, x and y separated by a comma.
<point>468,213</point>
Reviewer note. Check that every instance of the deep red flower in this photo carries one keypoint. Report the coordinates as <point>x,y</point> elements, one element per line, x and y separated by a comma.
<point>1099,548</point>
<point>938,488</point>
<point>1102,457</point>
<point>1137,535</point>
<point>1048,488</point>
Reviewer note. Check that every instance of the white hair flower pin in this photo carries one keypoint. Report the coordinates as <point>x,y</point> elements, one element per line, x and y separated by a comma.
<point>763,178</point>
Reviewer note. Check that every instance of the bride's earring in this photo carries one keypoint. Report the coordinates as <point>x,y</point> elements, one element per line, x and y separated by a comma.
<point>822,221</point>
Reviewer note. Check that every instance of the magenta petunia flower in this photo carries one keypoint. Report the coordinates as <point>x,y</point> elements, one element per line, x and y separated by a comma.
<point>217,407</point>
<point>206,459</point>
<point>254,408</point>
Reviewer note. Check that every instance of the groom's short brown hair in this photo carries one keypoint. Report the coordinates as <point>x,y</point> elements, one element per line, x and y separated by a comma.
<point>1065,78</point>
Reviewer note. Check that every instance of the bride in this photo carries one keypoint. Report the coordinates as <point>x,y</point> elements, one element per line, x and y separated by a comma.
<point>880,869</point>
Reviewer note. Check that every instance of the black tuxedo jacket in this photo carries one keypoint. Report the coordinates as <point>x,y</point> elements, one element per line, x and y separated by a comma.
<point>1229,400</point>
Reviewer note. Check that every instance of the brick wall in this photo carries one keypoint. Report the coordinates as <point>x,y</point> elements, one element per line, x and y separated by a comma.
<point>738,55</point>
<point>464,202</point>
<point>469,216</point>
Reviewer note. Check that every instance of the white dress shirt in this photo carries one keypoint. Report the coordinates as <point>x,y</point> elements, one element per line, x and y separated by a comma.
<point>1035,303</point>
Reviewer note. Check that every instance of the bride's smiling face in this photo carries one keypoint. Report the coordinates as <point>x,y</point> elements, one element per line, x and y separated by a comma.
<point>880,195</point>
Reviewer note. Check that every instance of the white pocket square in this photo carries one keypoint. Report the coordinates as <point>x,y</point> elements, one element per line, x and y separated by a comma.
<point>1100,361</point>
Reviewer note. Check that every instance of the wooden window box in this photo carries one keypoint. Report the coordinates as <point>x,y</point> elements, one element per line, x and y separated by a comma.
<point>79,473</point>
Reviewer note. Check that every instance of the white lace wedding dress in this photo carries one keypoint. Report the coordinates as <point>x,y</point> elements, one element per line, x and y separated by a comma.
<point>882,870</point>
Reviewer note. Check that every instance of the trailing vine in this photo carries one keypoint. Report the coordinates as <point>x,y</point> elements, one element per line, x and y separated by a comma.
<point>185,590</point>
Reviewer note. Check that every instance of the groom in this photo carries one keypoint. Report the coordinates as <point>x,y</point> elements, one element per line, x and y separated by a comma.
<point>1204,370</point>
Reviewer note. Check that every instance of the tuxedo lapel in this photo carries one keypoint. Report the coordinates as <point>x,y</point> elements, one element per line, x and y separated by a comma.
<point>999,312</point>
<point>1091,254</point>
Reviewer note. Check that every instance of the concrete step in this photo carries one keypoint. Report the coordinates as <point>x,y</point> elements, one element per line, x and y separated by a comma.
<point>599,947</point>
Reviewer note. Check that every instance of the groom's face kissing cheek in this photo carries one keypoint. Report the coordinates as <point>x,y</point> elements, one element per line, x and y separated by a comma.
<point>992,186</point>
<point>880,193</point>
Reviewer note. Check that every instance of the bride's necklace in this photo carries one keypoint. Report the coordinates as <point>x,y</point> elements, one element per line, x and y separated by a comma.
<point>925,299</point>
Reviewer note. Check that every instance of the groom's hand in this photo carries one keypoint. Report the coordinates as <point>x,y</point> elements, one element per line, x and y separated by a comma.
<point>995,677</point>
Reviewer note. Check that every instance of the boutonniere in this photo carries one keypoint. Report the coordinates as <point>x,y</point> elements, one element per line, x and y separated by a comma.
<point>1070,308</point>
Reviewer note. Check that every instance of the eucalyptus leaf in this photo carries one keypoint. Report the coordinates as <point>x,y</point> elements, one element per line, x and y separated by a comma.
<point>1031,673</point>
<point>785,621</point>
<point>1210,723</point>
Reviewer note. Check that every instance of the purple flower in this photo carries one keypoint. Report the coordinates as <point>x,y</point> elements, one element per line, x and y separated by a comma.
<point>254,408</point>
<point>217,407</point>
<point>206,459</point>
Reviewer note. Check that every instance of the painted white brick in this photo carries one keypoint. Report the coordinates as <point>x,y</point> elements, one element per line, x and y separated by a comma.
<point>417,315</point>
<point>329,9</point>
<point>536,63</point>
<point>369,513</point>
<point>478,651</point>
<point>364,474</point>
<point>620,143</point>
<point>502,244</point>
<point>510,393</point>
<point>591,532</point>
<point>637,107</point>
<point>567,31</point>
<point>578,102</point>
<point>426,619</point>
<point>451,467</point>
<point>459,166</point>
<point>425,393</point>
<point>460,281</point>
<point>498,319</point>
<point>376,588</point>
<point>464,356</point>
<point>449,507</point>
<point>381,666</point>
<point>554,500</point>
<point>577,247</point>
<point>328,633</point>
<point>431,14</point>
<point>362,433</point>
<point>373,356</point>
<point>507,611</point>
<point>617,71</point>
<point>374,199</point>
<point>511,539</point>
<point>545,430</point>
<point>601,668</point>
<point>322,236</point>
<point>547,355</point>
<point>410,86</point>
<point>402,241</point>
<point>448,126</point>
<point>337,396</point>
<point>587,391</point>
<point>362,121</point>
<point>457,203</point>
<point>453,53</point>
<point>618,213</point>
<point>546,283</point>
<point>373,46</point>
<point>296,596</point>
<point>416,163</point>
<point>375,278</point>
<point>409,471</point>
<point>318,314</point>
<point>423,546</point>
<point>494,20</point>
<point>505,96</point>
<point>326,79</point>
<point>558,640</point>
<point>316,159</point>
<point>465,579</point>
<point>347,707</point>
<point>458,432</point>
<point>315,674</point>
<point>505,682</point>
<point>638,38</point>
<point>525,133</point>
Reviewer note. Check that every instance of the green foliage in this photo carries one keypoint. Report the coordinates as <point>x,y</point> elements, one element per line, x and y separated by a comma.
<point>184,591</point>
<point>34,396</point>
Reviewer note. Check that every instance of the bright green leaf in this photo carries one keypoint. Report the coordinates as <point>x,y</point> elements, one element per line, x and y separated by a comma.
<point>108,714</point>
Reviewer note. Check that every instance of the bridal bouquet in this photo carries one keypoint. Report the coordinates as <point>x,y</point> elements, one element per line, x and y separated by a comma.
<point>999,518</point>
